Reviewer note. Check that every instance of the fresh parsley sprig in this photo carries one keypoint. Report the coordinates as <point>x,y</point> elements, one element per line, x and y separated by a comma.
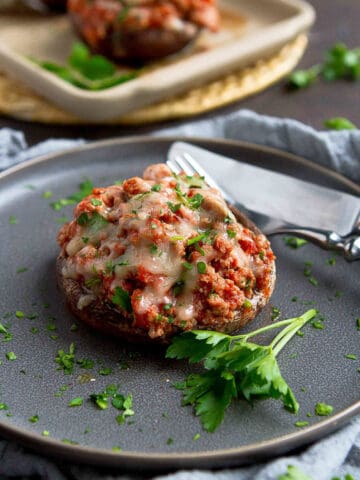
<point>87,71</point>
<point>340,62</point>
<point>234,367</point>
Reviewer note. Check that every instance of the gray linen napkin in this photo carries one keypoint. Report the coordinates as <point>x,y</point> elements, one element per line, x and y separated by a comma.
<point>334,456</point>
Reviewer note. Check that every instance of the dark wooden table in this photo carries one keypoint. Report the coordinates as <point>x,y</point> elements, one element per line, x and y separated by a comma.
<point>337,20</point>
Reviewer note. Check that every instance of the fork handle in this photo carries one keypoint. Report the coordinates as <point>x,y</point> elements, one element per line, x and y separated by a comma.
<point>348,245</point>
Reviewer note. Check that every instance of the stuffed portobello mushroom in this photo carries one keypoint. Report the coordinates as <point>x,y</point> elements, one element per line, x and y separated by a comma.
<point>163,254</point>
<point>141,30</point>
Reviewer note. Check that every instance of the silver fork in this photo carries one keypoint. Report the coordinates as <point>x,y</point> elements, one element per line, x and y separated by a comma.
<point>348,245</point>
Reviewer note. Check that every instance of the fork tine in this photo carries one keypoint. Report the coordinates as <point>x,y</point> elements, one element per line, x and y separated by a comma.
<point>173,166</point>
<point>197,168</point>
<point>185,165</point>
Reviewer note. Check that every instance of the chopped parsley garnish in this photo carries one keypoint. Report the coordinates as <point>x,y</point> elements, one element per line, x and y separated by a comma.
<point>201,267</point>
<point>76,402</point>
<point>45,433</point>
<point>169,441</point>
<point>95,202</point>
<point>34,419</point>
<point>22,270</point>
<point>85,363</point>
<point>235,368</point>
<point>195,201</point>
<point>177,287</point>
<point>86,71</point>
<point>156,188</point>
<point>331,261</point>
<point>19,314</point>
<point>3,329</point>
<point>105,371</point>
<point>340,63</point>
<point>358,323</point>
<point>196,437</point>
<point>95,222</point>
<point>231,233</point>
<point>339,123</point>
<point>118,401</point>
<point>323,410</point>
<point>176,238</point>
<point>294,473</point>
<point>154,248</point>
<point>65,360</point>
<point>85,188</point>
<point>187,265</point>
<point>168,306</point>
<point>350,356</point>
<point>122,299</point>
<point>300,423</point>
<point>247,303</point>
<point>47,194</point>
<point>13,220</point>
<point>174,207</point>
<point>11,356</point>
<point>275,313</point>
<point>294,242</point>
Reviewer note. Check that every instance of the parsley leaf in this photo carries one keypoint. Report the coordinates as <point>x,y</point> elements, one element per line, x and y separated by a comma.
<point>339,63</point>
<point>234,368</point>
<point>87,71</point>
<point>122,298</point>
<point>85,188</point>
<point>339,123</point>
<point>294,473</point>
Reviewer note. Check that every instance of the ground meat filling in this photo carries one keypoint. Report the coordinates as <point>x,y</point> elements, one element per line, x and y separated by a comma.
<point>166,252</point>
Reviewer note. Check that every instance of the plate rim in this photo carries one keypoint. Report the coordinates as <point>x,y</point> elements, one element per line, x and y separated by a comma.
<point>159,461</point>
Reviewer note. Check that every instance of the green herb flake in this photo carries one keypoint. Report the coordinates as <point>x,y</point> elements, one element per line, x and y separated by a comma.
<point>300,423</point>
<point>294,473</point>
<point>156,188</point>
<point>275,313</point>
<point>247,303</point>
<point>65,360</point>
<point>74,327</point>
<point>358,323</point>
<point>34,330</point>
<point>34,419</point>
<point>45,433</point>
<point>294,242</point>
<point>105,371</point>
<point>13,220</point>
<point>122,299</point>
<point>76,402</point>
<point>318,324</point>
<point>201,267</point>
<point>176,238</point>
<point>231,233</point>
<point>11,356</point>
<point>47,194</point>
<point>187,265</point>
<point>116,448</point>
<point>3,329</point>
<point>19,314</point>
<point>339,123</point>
<point>4,406</point>
<point>85,363</point>
<point>68,441</point>
<point>154,249</point>
<point>169,441</point>
<point>22,270</point>
<point>323,410</point>
<point>351,356</point>
<point>196,437</point>
<point>95,202</point>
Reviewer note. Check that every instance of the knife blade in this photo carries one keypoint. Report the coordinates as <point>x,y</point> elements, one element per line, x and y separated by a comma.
<point>271,194</point>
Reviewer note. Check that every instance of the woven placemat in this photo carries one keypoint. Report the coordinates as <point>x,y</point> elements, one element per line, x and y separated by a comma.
<point>18,101</point>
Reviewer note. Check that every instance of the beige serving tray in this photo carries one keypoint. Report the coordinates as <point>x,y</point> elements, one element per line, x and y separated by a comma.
<point>249,30</point>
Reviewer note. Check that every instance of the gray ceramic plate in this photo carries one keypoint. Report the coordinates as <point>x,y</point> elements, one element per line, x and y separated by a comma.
<point>161,433</point>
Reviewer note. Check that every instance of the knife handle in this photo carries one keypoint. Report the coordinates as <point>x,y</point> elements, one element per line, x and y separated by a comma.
<point>348,245</point>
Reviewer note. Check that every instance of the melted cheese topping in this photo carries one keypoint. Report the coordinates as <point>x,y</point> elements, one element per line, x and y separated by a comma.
<point>169,243</point>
